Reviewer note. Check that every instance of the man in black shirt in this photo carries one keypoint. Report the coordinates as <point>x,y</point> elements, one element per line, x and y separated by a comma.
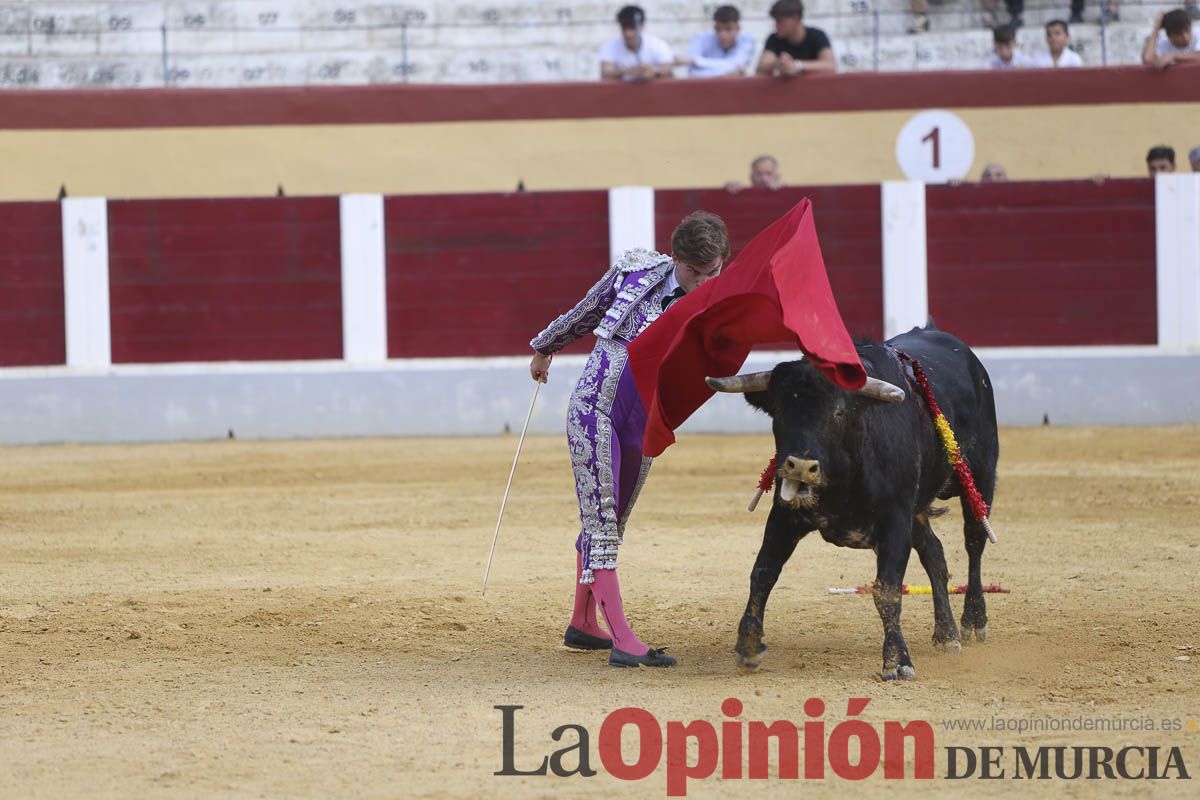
<point>795,48</point>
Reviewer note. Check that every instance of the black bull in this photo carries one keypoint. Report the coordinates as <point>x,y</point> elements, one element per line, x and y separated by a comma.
<point>864,473</point>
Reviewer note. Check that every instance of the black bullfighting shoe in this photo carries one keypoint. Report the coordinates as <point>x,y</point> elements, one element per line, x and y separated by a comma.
<point>578,640</point>
<point>653,658</point>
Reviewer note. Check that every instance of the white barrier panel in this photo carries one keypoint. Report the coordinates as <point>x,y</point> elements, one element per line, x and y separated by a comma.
<point>630,220</point>
<point>364,279</point>
<point>85,282</point>
<point>1177,237</point>
<point>905,282</point>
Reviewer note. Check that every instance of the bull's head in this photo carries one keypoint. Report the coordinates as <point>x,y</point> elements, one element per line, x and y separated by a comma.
<point>811,419</point>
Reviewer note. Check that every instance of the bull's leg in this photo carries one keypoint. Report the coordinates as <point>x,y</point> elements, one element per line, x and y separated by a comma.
<point>974,616</point>
<point>779,542</point>
<point>891,560</point>
<point>933,559</point>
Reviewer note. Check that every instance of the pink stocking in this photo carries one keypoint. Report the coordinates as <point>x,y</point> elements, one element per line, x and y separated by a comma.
<point>583,616</point>
<point>607,590</point>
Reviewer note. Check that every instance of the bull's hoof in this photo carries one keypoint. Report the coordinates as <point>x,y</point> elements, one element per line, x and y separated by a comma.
<point>952,646</point>
<point>751,662</point>
<point>903,672</point>
<point>979,634</point>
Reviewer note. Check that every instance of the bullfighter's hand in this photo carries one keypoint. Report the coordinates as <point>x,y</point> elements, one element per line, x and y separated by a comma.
<point>539,367</point>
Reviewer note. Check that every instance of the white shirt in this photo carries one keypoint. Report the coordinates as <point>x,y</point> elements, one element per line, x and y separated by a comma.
<point>1019,61</point>
<point>652,50</point>
<point>672,281</point>
<point>710,61</point>
<point>1069,58</point>
<point>1164,47</point>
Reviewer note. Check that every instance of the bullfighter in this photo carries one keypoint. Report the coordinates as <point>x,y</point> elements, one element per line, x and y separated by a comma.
<point>606,419</point>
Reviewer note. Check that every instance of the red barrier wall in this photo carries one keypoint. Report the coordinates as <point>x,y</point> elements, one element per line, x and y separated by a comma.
<point>848,225</point>
<point>225,280</point>
<point>1038,264</point>
<point>32,329</point>
<point>480,275</point>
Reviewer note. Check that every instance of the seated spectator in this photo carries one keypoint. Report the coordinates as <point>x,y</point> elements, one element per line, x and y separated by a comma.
<point>1057,54</point>
<point>1171,41</point>
<point>1004,50</point>
<point>993,173</point>
<point>1160,159</point>
<point>1016,8</point>
<point>1109,11</point>
<point>724,51</point>
<point>920,18</point>
<point>764,174</point>
<point>1194,158</point>
<point>635,56</point>
<point>795,48</point>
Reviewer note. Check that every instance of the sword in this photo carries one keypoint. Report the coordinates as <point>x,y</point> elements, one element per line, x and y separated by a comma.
<point>495,536</point>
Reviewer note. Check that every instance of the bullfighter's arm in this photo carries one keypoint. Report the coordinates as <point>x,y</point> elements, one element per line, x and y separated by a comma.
<point>583,318</point>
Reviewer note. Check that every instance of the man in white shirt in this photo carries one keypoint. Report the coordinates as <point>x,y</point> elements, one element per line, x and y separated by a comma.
<point>724,51</point>
<point>1171,41</point>
<point>634,55</point>
<point>1004,50</point>
<point>1058,54</point>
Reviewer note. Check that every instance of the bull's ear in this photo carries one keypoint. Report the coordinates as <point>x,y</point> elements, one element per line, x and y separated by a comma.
<point>761,401</point>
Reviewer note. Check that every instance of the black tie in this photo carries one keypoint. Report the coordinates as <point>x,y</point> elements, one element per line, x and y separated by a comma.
<point>672,297</point>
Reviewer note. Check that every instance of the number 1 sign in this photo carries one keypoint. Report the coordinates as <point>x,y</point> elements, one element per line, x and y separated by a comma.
<point>935,147</point>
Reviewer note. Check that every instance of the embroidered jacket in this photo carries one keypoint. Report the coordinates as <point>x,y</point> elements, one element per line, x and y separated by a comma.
<point>620,306</point>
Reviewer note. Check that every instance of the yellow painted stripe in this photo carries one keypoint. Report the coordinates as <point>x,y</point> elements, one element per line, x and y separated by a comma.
<point>1041,142</point>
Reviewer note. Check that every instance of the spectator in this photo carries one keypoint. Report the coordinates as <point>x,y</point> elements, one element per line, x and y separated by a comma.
<point>1171,41</point>
<point>920,19</point>
<point>1015,9</point>
<point>724,51</point>
<point>1004,50</point>
<point>635,56</point>
<point>1109,11</point>
<point>1194,158</point>
<point>1058,54</point>
<point>993,173</point>
<point>764,174</point>
<point>795,48</point>
<point>1160,159</point>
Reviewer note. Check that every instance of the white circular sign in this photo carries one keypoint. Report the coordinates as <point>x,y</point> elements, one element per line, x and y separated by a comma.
<point>935,147</point>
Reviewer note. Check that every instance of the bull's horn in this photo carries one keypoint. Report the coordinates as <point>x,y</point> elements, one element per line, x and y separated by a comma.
<point>881,390</point>
<point>751,382</point>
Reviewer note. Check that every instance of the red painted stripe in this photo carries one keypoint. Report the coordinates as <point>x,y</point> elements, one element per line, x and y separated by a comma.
<point>225,280</point>
<point>32,325</point>
<point>408,103</point>
<point>1043,264</point>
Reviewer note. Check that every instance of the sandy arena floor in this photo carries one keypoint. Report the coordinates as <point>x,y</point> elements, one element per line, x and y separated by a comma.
<point>245,619</point>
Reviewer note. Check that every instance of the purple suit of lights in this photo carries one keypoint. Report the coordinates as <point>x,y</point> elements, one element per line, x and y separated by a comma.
<point>606,418</point>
